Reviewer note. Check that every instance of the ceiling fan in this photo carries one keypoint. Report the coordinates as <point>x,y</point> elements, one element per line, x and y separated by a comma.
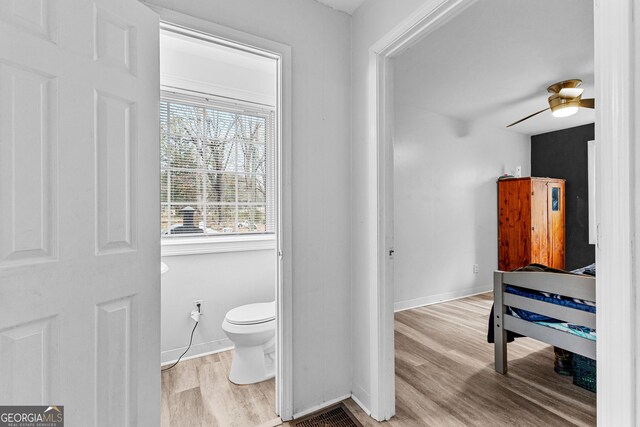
<point>565,100</point>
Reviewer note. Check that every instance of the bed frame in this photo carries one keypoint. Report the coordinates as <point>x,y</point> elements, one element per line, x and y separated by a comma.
<point>570,285</point>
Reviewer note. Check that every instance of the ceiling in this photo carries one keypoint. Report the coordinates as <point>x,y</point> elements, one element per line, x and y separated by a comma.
<point>493,63</point>
<point>348,6</point>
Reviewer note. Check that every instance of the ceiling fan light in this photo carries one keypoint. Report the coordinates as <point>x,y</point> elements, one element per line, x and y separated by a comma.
<point>570,92</point>
<point>564,111</point>
<point>562,107</point>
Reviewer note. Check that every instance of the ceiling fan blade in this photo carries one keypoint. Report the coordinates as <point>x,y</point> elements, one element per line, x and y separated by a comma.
<point>528,117</point>
<point>588,103</point>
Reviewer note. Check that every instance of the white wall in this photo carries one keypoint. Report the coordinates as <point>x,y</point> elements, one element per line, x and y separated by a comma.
<point>320,40</point>
<point>224,281</point>
<point>370,22</point>
<point>445,200</point>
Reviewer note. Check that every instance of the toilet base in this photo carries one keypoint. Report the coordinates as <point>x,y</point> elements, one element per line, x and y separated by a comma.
<point>253,364</point>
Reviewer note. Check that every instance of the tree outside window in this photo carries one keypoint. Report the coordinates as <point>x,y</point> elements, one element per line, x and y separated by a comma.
<point>216,169</point>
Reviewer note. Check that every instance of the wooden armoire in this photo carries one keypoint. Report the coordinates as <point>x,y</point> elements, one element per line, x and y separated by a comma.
<point>531,222</point>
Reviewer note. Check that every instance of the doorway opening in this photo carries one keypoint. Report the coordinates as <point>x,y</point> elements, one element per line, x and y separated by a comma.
<point>222,242</point>
<point>466,165</point>
<point>383,118</point>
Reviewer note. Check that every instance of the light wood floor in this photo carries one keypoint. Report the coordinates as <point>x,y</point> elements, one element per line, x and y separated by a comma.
<point>196,392</point>
<point>444,377</point>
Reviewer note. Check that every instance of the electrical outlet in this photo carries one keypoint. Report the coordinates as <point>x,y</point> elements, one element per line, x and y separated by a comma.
<point>476,268</point>
<point>201,302</point>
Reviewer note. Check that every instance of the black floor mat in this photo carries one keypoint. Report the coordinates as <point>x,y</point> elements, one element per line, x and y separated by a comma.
<point>338,416</point>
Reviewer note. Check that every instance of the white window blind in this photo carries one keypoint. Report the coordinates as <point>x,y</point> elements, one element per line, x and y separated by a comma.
<point>217,168</point>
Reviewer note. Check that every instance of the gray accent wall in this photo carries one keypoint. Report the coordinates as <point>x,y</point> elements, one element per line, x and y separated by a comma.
<point>563,154</point>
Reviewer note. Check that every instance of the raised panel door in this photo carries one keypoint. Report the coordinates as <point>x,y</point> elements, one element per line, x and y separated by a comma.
<point>79,191</point>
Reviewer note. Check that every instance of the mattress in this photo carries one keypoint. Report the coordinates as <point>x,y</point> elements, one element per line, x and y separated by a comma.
<point>550,322</point>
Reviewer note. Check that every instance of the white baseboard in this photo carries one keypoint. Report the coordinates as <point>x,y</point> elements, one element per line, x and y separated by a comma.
<point>196,350</point>
<point>434,299</point>
<point>359,402</point>
<point>320,406</point>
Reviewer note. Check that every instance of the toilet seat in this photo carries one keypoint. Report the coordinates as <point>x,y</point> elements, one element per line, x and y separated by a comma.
<point>252,314</point>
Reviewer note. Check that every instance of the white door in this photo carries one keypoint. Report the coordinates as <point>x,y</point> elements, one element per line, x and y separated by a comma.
<point>79,216</point>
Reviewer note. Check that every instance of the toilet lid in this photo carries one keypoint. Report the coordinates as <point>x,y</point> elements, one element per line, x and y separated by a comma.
<point>252,314</point>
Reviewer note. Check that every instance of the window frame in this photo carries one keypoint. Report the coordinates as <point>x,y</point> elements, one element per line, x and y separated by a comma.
<point>227,242</point>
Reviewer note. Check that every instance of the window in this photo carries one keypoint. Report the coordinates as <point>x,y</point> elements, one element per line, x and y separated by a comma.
<point>217,168</point>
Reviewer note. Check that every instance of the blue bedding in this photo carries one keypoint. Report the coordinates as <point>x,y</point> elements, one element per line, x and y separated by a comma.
<point>546,297</point>
<point>559,300</point>
<point>581,331</point>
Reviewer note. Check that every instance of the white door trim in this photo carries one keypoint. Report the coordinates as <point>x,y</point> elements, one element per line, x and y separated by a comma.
<point>616,196</point>
<point>284,292</point>
<point>413,29</point>
<point>616,316</point>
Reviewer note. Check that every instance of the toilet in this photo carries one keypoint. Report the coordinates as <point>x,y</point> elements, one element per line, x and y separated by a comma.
<point>252,328</point>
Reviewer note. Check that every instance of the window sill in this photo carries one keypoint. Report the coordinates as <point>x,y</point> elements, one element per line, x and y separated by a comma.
<point>196,246</point>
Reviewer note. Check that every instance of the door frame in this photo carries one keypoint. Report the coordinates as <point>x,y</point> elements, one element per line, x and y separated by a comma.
<point>616,92</point>
<point>284,269</point>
